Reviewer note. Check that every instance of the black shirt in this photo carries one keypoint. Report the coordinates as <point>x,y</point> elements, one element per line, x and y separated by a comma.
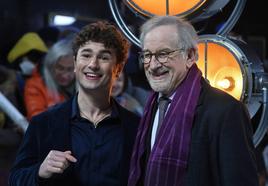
<point>97,149</point>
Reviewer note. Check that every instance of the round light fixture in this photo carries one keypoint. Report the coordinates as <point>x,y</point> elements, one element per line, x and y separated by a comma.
<point>230,65</point>
<point>193,10</point>
<point>190,8</point>
<point>225,70</point>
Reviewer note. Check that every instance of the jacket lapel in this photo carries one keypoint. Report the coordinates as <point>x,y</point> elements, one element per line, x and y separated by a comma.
<point>60,125</point>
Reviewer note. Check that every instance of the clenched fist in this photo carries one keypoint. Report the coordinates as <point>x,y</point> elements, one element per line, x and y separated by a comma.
<point>55,162</point>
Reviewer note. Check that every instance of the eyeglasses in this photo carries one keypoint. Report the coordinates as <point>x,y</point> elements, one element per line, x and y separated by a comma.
<point>161,56</point>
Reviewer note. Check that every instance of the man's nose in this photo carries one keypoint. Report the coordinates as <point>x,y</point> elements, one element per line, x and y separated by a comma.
<point>93,63</point>
<point>154,63</point>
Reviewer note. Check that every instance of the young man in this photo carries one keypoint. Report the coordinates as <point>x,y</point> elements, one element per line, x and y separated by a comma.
<point>87,140</point>
<point>205,137</point>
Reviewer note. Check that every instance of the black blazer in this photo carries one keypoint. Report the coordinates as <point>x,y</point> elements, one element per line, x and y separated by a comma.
<point>51,130</point>
<point>221,152</point>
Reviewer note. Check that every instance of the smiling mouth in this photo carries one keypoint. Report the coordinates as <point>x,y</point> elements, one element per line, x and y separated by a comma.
<point>92,76</point>
<point>159,75</point>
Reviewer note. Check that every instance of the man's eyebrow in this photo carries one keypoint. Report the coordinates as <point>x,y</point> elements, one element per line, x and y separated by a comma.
<point>106,51</point>
<point>86,50</point>
<point>146,50</point>
<point>159,50</point>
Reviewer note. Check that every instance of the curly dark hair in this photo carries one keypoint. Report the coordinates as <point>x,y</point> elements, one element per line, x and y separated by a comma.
<point>106,33</point>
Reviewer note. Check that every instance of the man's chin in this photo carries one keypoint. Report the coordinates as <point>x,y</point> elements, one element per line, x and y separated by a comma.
<point>159,87</point>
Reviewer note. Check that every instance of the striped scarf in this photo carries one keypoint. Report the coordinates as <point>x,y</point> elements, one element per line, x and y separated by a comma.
<point>167,162</point>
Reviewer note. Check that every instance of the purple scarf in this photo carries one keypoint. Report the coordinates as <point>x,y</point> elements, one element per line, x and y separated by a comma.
<point>167,162</point>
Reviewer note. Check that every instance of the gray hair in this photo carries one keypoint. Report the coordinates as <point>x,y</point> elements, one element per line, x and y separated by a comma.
<point>187,36</point>
<point>60,49</point>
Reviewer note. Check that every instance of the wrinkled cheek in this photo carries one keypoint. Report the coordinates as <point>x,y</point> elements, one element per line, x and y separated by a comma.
<point>147,75</point>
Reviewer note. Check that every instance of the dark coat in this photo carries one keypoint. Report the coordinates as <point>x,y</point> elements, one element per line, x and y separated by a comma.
<point>51,131</point>
<point>222,152</point>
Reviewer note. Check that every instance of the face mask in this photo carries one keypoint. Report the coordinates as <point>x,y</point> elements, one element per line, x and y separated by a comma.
<point>27,66</point>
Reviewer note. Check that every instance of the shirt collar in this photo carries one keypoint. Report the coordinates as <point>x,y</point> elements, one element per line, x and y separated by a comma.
<point>76,112</point>
<point>170,97</point>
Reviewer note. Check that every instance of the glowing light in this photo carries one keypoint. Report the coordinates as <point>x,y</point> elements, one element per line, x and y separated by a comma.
<point>223,69</point>
<point>227,83</point>
<point>224,84</point>
<point>63,20</point>
<point>164,7</point>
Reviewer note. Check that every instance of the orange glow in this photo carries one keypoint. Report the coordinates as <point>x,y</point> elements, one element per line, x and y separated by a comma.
<point>223,70</point>
<point>159,7</point>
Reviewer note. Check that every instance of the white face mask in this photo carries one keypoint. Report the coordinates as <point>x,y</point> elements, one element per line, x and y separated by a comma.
<point>27,66</point>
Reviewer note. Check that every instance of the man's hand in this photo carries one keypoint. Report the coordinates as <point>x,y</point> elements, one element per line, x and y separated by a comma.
<point>55,162</point>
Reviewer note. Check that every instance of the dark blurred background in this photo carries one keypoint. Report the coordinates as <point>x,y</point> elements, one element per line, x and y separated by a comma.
<point>20,16</point>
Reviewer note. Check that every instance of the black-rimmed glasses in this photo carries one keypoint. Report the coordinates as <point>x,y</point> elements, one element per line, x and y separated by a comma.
<point>161,56</point>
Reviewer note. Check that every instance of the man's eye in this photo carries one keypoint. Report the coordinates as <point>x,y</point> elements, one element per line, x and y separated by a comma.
<point>163,54</point>
<point>147,56</point>
<point>86,55</point>
<point>104,57</point>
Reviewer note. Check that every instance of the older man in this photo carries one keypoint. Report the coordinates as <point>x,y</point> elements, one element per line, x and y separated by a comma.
<point>204,138</point>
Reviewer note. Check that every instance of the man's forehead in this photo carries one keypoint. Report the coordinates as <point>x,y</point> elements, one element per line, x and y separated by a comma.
<point>92,46</point>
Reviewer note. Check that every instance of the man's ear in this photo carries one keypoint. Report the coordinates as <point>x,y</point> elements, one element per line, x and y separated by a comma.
<point>119,69</point>
<point>192,57</point>
<point>74,61</point>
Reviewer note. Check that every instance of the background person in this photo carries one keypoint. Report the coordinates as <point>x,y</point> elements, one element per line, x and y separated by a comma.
<point>54,82</point>
<point>123,98</point>
<point>24,57</point>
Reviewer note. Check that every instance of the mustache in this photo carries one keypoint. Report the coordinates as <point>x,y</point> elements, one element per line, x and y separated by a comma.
<point>157,71</point>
